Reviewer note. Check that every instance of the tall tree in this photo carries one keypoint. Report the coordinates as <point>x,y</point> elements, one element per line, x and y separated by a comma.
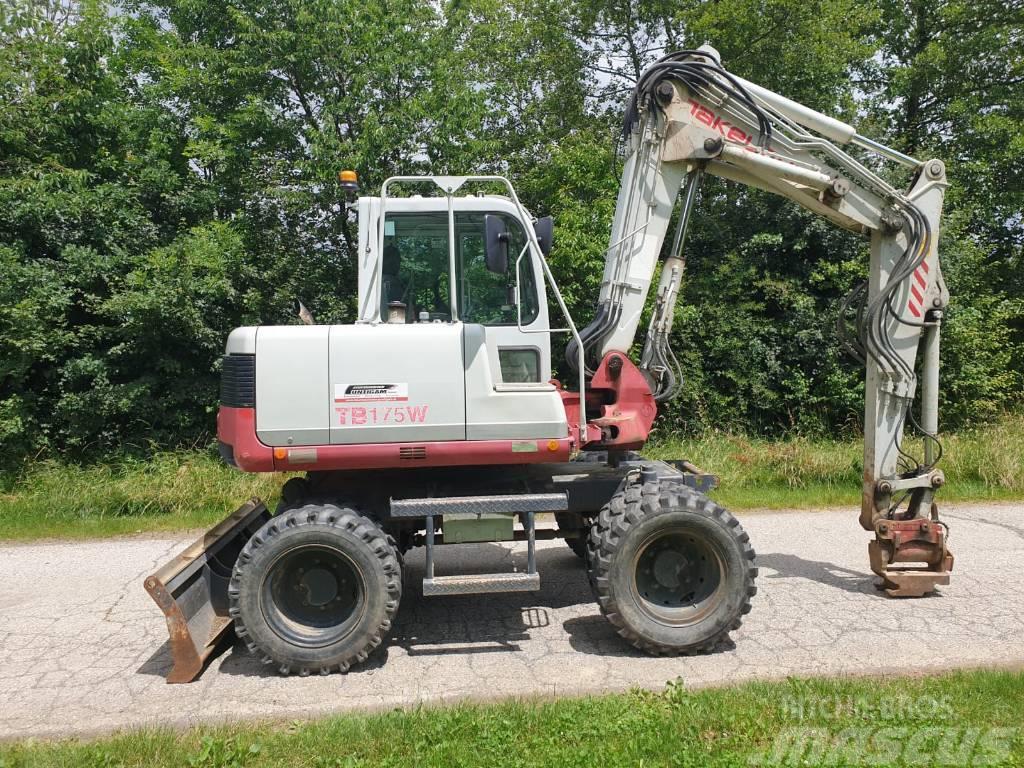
<point>948,82</point>
<point>167,172</point>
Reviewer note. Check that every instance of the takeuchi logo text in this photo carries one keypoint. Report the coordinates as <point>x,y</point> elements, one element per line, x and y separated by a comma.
<point>705,115</point>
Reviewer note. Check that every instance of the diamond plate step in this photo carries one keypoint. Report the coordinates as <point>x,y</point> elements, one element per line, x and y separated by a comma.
<point>481,583</point>
<point>481,505</point>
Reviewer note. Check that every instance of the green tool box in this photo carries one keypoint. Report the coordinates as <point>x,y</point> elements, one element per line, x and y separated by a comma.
<point>465,527</point>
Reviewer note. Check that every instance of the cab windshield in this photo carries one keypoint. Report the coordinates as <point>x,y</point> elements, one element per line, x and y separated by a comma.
<point>415,271</point>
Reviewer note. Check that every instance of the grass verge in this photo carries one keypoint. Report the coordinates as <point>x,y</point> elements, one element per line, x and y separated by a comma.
<point>174,491</point>
<point>964,718</point>
<point>981,464</point>
<point>168,492</point>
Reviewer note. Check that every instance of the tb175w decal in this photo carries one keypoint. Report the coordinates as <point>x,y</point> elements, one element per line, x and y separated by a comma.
<point>363,416</point>
<point>367,413</point>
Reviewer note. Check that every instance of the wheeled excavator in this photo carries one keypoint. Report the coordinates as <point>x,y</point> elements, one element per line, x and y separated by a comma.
<point>434,420</point>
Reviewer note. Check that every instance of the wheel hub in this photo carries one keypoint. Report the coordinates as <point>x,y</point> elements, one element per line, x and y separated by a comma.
<point>669,568</point>
<point>312,595</point>
<point>677,577</point>
<point>320,586</point>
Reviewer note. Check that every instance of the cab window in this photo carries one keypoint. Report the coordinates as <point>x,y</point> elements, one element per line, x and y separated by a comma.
<point>415,279</point>
<point>484,296</point>
<point>414,267</point>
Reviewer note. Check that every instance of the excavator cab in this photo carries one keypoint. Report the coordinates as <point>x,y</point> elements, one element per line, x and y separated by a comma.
<point>442,250</point>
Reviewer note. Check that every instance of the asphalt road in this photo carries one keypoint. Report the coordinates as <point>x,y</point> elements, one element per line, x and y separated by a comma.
<point>82,647</point>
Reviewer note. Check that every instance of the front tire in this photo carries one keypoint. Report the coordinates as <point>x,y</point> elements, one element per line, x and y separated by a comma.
<point>315,589</point>
<point>671,570</point>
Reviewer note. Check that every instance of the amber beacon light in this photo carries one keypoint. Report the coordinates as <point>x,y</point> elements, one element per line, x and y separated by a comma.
<point>349,181</point>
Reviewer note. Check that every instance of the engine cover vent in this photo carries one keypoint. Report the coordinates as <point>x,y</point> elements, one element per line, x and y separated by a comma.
<point>412,452</point>
<point>238,381</point>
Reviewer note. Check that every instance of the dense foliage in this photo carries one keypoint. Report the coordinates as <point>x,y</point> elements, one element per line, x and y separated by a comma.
<point>167,172</point>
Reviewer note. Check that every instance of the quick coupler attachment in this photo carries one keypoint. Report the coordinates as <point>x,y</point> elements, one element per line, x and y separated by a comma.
<point>919,546</point>
<point>192,591</point>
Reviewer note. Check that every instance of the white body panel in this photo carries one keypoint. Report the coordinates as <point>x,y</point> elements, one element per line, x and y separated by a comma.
<point>499,410</point>
<point>420,369</point>
<point>422,382</point>
<point>292,394</point>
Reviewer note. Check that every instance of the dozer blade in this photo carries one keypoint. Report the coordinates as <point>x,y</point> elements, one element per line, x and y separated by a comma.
<point>192,591</point>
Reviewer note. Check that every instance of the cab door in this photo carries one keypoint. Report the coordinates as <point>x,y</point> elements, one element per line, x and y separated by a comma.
<point>507,355</point>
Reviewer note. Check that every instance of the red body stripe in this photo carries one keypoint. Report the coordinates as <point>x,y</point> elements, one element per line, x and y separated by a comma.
<point>237,427</point>
<point>925,265</point>
<point>920,279</point>
<point>914,309</point>
<point>917,294</point>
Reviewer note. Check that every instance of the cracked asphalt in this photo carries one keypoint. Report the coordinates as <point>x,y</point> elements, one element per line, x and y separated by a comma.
<point>83,648</point>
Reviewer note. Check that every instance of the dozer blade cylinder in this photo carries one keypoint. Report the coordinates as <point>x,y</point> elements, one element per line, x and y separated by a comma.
<point>192,591</point>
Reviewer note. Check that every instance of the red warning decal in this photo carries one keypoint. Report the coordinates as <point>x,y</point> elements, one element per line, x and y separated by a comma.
<point>916,301</point>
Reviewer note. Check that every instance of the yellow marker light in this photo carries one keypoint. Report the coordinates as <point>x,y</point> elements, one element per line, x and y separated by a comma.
<point>280,453</point>
<point>349,183</point>
<point>552,445</point>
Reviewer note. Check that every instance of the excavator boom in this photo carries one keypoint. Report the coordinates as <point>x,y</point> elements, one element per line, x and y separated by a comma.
<point>688,117</point>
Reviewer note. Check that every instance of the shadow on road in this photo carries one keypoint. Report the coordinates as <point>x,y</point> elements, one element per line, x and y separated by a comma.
<point>489,623</point>
<point>790,566</point>
<point>594,635</point>
<point>239,661</point>
<point>159,664</point>
<point>502,623</point>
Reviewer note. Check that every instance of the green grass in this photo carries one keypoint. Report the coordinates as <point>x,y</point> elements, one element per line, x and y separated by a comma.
<point>173,491</point>
<point>170,491</point>
<point>878,720</point>
<point>982,464</point>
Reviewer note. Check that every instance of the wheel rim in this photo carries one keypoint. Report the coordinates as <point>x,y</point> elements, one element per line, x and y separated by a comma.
<point>313,596</point>
<point>678,577</point>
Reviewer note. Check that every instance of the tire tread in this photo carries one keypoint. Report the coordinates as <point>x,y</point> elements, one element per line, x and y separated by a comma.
<point>633,502</point>
<point>336,515</point>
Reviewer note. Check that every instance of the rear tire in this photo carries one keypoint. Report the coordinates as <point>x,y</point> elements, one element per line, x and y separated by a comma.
<point>671,570</point>
<point>316,589</point>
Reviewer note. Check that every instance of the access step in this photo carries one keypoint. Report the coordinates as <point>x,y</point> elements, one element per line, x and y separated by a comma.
<point>480,518</point>
<point>481,583</point>
<point>515,503</point>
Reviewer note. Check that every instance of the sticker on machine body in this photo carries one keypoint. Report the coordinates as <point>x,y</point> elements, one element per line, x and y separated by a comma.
<point>371,393</point>
<point>362,405</point>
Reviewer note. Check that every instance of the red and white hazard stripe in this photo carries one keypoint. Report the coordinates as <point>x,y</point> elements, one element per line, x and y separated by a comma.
<point>916,302</point>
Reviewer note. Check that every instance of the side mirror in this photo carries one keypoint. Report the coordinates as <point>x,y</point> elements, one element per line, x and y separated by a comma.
<point>495,244</point>
<point>545,230</point>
